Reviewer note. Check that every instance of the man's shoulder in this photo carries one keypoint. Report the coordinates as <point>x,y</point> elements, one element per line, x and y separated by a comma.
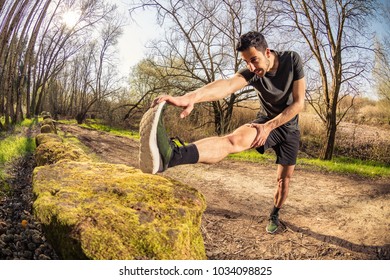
<point>287,54</point>
<point>247,74</point>
<point>291,59</point>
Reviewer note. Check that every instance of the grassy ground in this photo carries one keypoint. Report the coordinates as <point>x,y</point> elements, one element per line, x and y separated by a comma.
<point>96,125</point>
<point>14,144</point>
<point>341,165</point>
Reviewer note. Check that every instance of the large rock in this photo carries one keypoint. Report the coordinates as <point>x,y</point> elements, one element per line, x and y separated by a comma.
<point>44,138</point>
<point>48,125</point>
<point>106,211</point>
<point>51,150</point>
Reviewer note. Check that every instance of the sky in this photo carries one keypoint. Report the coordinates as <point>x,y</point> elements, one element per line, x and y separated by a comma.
<point>132,44</point>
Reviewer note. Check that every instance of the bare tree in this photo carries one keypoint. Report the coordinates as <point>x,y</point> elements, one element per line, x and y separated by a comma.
<point>35,46</point>
<point>381,71</point>
<point>29,59</point>
<point>11,49</point>
<point>60,42</point>
<point>104,80</point>
<point>90,76</point>
<point>147,81</point>
<point>335,32</point>
<point>199,44</point>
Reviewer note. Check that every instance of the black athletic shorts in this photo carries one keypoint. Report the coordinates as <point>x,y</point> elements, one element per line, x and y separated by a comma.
<point>285,142</point>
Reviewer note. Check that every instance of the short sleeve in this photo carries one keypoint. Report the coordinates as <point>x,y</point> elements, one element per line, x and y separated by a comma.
<point>297,66</point>
<point>248,75</point>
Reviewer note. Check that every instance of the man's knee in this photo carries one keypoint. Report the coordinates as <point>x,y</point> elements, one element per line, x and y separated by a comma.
<point>284,179</point>
<point>283,182</point>
<point>285,173</point>
<point>241,139</point>
<point>236,142</point>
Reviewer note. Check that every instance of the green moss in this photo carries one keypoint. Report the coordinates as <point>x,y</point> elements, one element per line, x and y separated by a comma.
<point>106,211</point>
<point>52,151</point>
<point>45,138</point>
<point>119,212</point>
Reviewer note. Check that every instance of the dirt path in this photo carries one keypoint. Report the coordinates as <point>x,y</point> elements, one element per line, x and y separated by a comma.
<point>326,216</point>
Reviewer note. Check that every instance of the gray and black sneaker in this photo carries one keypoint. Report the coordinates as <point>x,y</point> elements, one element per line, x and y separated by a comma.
<point>156,148</point>
<point>273,224</point>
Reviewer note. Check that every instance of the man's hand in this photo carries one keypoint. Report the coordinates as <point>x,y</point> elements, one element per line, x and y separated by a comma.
<point>184,102</point>
<point>263,132</point>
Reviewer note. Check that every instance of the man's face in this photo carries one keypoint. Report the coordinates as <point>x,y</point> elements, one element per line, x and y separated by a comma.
<point>256,61</point>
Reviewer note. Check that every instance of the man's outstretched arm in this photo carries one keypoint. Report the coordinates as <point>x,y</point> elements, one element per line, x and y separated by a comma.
<point>211,92</point>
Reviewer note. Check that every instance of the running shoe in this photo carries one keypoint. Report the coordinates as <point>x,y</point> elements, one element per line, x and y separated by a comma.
<point>273,224</point>
<point>156,148</point>
<point>150,159</point>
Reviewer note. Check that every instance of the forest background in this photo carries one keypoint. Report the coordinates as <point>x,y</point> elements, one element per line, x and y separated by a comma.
<point>61,56</point>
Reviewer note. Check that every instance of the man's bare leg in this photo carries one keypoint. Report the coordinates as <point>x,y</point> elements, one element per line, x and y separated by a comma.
<point>284,174</point>
<point>214,149</point>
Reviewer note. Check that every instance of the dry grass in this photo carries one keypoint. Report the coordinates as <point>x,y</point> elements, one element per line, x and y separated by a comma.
<point>196,126</point>
<point>199,124</point>
<point>370,112</point>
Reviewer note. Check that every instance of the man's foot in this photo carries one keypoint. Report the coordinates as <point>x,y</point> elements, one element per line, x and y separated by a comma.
<point>156,148</point>
<point>150,159</point>
<point>273,224</point>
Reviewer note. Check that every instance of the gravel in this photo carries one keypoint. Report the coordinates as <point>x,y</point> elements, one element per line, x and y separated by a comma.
<point>21,236</point>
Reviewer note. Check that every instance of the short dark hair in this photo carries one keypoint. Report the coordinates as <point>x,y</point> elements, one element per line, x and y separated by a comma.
<point>252,39</point>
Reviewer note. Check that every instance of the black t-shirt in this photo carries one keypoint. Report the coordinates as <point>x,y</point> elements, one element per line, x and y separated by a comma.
<point>275,91</point>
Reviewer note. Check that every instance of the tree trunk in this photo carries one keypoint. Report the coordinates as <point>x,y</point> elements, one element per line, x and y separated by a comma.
<point>223,113</point>
<point>2,2</point>
<point>331,128</point>
<point>25,71</point>
<point>30,60</point>
<point>19,110</point>
<point>7,27</point>
<point>217,117</point>
<point>2,104</point>
<point>80,117</point>
<point>28,95</point>
<point>229,113</point>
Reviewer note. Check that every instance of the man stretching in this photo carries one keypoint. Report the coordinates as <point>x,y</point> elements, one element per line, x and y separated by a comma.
<point>278,79</point>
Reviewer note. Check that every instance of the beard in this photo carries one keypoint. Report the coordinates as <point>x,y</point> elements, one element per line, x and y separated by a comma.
<point>260,72</point>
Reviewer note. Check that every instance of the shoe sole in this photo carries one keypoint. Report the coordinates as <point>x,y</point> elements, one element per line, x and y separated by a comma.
<point>149,156</point>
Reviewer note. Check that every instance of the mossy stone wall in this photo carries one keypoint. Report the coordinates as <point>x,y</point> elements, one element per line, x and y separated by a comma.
<point>95,210</point>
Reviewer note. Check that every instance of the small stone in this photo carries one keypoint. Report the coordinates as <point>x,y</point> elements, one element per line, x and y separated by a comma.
<point>8,238</point>
<point>17,237</point>
<point>34,232</point>
<point>38,251</point>
<point>19,245</point>
<point>31,226</point>
<point>36,238</point>
<point>43,257</point>
<point>6,252</point>
<point>27,255</point>
<point>3,229</point>
<point>12,246</point>
<point>31,246</point>
<point>11,231</point>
